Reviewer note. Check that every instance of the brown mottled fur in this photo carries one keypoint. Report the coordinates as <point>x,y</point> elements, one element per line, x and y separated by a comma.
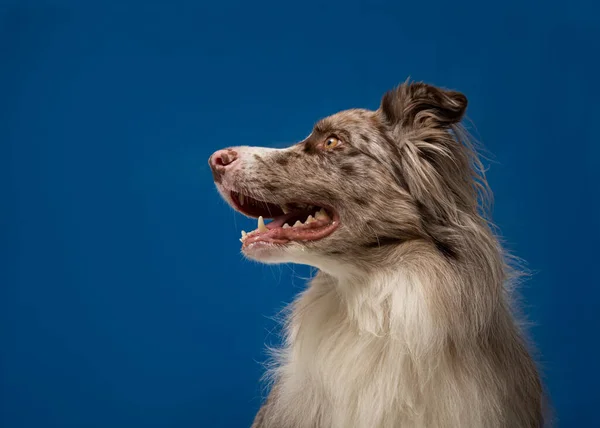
<point>408,322</point>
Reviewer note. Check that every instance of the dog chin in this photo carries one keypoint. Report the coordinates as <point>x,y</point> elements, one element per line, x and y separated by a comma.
<point>270,253</point>
<point>295,253</point>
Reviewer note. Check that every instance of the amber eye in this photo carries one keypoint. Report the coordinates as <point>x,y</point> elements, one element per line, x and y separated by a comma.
<point>331,142</point>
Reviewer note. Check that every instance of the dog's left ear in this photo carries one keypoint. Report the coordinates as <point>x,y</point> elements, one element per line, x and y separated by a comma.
<point>419,105</point>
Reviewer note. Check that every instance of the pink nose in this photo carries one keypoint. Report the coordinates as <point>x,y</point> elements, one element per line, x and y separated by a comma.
<point>221,161</point>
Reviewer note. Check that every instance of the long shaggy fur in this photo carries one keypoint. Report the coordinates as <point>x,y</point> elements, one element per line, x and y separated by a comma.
<point>409,321</point>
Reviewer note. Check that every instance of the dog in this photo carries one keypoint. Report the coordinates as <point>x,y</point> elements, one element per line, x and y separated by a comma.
<point>410,320</point>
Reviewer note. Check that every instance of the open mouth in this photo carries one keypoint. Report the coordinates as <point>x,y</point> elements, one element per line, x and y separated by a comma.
<point>293,221</point>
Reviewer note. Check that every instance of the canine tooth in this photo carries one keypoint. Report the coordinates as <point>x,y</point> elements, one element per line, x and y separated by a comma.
<point>298,223</point>
<point>261,225</point>
<point>244,234</point>
<point>285,225</point>
<point>241,198</point>
<point>309,219</point>
<point>285,209</point>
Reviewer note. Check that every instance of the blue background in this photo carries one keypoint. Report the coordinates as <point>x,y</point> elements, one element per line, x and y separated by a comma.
<point>124,301</point>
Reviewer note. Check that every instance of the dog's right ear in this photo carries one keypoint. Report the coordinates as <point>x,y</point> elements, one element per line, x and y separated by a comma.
<point>419,105</point>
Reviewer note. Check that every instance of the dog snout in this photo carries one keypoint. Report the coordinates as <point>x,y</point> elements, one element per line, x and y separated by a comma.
<point>221,161</point>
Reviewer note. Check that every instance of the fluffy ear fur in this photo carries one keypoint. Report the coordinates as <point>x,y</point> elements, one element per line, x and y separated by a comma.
<point>441,171</point>
<point>421,105</point>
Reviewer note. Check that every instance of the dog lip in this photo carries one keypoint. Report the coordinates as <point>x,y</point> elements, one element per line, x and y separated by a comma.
<point>279,235</point>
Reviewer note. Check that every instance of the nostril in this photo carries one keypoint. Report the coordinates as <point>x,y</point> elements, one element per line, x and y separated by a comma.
<point>224,158</point>
<point>219,161</point>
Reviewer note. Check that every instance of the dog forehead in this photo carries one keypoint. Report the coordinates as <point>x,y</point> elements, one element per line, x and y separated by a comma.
<point>347,120</point>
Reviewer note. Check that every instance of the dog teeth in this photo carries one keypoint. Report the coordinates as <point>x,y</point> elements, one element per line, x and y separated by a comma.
<point>241,199</point>
<point>285,209</point>
<point>321,215</point>
<point>261,225</point>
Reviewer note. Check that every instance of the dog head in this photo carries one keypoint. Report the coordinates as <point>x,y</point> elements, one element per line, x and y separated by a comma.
<point>361,181</point>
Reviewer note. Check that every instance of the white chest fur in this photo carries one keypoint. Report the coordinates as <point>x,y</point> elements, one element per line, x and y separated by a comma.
<point>357,358</point>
